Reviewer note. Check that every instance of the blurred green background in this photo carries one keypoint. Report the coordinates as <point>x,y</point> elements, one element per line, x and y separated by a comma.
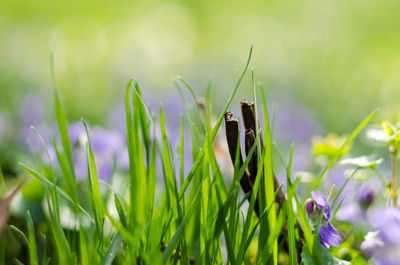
<point>341,59</point>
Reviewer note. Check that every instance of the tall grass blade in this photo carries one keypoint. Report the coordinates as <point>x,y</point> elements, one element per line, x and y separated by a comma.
<point>269,178</point>
<point>112,250</point>
<point>33,255</point>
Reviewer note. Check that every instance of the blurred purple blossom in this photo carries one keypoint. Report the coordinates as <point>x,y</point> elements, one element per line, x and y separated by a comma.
<point>319,201</point>
<point>296,124</point>
<point>106,144</point>
<point>357,210</point>
<point>371,243</point>
<point>365,196</point>
<point>31,109</point>
<point>384,246</point>
<point>328,235</point>
<point>31,114</point>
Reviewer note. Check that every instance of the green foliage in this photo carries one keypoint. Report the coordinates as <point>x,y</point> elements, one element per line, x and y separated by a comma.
<point>190,222</point>
<point>320,256</point>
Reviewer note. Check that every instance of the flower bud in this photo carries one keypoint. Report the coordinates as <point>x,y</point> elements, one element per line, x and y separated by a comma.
<point>365,197</point>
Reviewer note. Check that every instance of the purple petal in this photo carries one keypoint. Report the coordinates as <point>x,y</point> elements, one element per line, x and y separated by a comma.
<point>310,208</point>
<point>389,226</point>
<point>105,171</point>
<point>387,257</point>
<point>365,196</point>
<point>329,236</point>
<point>371,245</point>
<point>320,200</point>
<point>75,131</point>
<point>350,213</point>
<point>80,164</point>
<point>31,110</point>
<point>104,141</point>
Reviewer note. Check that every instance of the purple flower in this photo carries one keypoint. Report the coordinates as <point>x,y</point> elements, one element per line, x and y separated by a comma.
<point>384,244</point>
<point>371,243</point>
<point>31,113</point>
<point>31,110</point>
<point>365,196</point>
<point>357,211</point>
<point>389,227</point>
<point>328,235</point>
<point>105,143</point>
<point>319,202</point>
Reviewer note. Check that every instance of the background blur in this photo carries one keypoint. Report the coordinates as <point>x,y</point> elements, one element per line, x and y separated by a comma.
<point>329,63</point>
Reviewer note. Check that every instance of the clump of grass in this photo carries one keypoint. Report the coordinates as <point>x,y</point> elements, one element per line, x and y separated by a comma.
<point>200,221</point>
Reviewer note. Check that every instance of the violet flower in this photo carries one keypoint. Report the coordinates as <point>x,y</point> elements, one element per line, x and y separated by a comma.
<point>105,143</point>
<point>365,196</point>
<point>371,243</point>
<point>384,244</point>
<point>357,211</point>
<point>328,235</point>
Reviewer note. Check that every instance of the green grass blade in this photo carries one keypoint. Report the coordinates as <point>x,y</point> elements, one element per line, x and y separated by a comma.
<point>179,231</point>
<point>337,195</point>
<point>53,177</point>
<point>308,236</point>
<point>98,208</point>
<point>144,122</point>
<point>229,245</point>
<point>321,216</point>
<point>134,109</point>
<point>273,237</point>
<point>63,129</point>
<point>120,210</point>
<point>151,187</point>
<point>33,255</point>
<point>250,210</point>
<point>49,184</point>
<point>112,250</point>
<point>18,262</point>
<point>170,178</point>
<point>66,172</point>
<point>20,234</point>
<point>290,213</point>
<point>269,177</point>
<point>83,247</point>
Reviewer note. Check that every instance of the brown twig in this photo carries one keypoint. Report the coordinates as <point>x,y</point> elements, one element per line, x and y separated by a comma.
<point>248,180</point>
<point>232,137</point>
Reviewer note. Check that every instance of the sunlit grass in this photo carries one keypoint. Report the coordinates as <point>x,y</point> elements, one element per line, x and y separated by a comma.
<point>201,219</point>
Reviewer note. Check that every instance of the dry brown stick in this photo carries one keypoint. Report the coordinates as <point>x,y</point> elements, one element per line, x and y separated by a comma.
<point>232,137</point>
<point>249,121</point>
<point>249,140</point>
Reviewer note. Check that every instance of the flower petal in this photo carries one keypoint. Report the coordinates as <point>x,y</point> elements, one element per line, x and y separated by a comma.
<point>320,201</point>
<point>310,207</point>
<point>329,236</point>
